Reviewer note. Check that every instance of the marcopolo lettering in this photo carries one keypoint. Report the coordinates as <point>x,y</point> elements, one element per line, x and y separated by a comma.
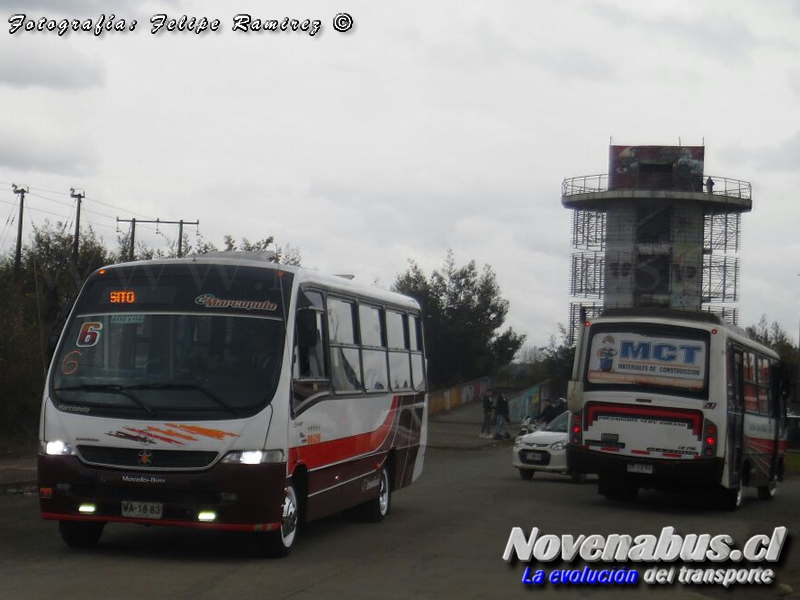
<point>662,352</point>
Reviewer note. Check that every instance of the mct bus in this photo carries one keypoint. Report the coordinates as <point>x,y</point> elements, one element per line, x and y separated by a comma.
<point>228,392</point>
<point>675,400</point>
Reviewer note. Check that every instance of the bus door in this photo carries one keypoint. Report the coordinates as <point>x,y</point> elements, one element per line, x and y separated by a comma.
<point>736,416</point>
<point>777,410</point>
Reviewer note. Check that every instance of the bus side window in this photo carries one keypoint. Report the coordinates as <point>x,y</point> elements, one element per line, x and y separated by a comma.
<point>750,387</point>
<point>345,354</point>
<point>310,369</point>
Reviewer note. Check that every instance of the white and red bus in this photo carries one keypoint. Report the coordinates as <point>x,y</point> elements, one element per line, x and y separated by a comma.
<point>675,400</point>
<point>228,392</point>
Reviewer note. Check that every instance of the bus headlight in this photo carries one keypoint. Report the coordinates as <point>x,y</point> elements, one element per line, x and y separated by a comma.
<point>56,448</point>
<point>254,457</point>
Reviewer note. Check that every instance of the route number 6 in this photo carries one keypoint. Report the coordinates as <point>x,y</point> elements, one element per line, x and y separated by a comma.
<point>89,334</point>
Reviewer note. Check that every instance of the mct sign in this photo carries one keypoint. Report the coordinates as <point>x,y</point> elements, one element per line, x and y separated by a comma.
<point>662,351</point>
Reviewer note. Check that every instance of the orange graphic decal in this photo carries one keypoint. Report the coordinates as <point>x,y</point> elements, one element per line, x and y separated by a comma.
<point>154,436</point>
<point>173,433</point>
<point>216,434</point>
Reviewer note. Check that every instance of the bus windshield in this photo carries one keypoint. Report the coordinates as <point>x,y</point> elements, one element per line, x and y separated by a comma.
<point>217,356</point>
<point>648,357</point>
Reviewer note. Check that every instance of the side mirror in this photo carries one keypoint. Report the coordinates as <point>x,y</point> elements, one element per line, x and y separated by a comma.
<point>306,328</point>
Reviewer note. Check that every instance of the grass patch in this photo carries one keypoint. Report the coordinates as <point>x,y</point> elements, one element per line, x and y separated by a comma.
<point>793,462</point>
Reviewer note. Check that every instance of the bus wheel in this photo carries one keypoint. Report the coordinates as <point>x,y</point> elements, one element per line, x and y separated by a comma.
<point>526,474</point>
<point>767,492</point>
<point>732,497</point>
<point>279,543</point>
<point>376,509</point>
<point>80,535</point>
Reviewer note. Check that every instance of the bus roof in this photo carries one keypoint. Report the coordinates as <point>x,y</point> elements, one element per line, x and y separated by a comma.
<point>264,260</point>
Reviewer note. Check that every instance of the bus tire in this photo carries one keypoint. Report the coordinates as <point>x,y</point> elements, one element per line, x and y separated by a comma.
<point>80,535</point>
<point>526,474</point>
<point>767,492</point>
<point>376,509</point>
<point>732,497</point>
<point>278,544</point>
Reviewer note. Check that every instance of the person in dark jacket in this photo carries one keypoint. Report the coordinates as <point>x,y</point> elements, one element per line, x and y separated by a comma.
<point>486,401</point>
<point>501,407</point>
<point>548,413</point>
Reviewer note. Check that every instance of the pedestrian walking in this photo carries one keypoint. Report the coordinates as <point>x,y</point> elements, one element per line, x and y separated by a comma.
<point>502,415</point>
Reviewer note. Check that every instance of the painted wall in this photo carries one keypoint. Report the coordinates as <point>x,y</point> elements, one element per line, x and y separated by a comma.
<point>455,396</point>
<point>528,402</point>
<point>656,167</point>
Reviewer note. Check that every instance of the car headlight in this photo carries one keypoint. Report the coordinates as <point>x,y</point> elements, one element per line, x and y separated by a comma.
<point>559,445</point>
<point>56,448</point>
<point>254,457</point>
<point>518,442</point>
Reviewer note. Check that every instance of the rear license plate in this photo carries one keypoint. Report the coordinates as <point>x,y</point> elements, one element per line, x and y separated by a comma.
<point>534,456</point>
<point>142,510</point>
<point>637,468</point>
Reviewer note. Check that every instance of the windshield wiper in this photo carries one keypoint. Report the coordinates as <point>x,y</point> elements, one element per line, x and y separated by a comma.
<point>109,388</point>
<point>185,386</point>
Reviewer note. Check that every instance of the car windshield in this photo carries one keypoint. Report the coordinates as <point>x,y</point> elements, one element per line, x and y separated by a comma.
<point>558,424</point>
<point>183,342</point>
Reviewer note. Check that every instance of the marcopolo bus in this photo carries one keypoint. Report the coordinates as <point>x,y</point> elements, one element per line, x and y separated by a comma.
<point>228,392</point>
<point>675,400</point>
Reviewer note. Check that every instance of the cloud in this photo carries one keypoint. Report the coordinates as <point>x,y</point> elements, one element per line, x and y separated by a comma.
<point>55,65</point>
<point>784,156</point>
<point>46,149</point>
<point>718,34</point>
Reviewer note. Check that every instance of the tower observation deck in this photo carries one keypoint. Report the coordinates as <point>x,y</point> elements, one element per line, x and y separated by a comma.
<point>655,231</point>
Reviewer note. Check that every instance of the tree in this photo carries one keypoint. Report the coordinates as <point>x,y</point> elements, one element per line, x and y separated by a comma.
<point>772,335</point>
<point>464,312</point>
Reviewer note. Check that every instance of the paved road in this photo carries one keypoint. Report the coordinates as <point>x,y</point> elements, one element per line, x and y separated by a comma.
<point>443,539</point>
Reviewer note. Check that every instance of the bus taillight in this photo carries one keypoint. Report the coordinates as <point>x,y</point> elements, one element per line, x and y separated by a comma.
<point>710,441</point>
<point>576,428</point>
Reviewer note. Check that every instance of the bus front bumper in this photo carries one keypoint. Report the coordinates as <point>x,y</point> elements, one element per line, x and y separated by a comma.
<point>232,497</point>
<point>664,474</point>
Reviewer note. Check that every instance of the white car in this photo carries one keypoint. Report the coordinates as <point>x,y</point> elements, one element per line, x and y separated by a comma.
<point>544,450</point>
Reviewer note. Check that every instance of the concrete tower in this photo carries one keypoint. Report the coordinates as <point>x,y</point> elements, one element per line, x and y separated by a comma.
<point>655,231</point>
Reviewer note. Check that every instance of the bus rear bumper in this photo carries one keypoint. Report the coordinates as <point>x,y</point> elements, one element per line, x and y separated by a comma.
<point>666,474</point>
<point>240,497</point>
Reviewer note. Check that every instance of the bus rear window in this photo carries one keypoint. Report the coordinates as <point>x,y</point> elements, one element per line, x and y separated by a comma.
<point>641,358</point>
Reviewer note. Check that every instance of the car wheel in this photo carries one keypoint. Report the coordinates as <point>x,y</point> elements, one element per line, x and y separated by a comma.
<point>279,543</point>
<point>526,474</point>
<point>767,492</point>
<point>578,477</point>
<point>80,535</point>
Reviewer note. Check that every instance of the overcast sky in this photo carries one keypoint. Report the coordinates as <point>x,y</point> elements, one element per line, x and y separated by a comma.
<point>428,126</point>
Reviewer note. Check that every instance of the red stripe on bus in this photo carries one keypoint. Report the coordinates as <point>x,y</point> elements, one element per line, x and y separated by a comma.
<point>640,452</point>
<point>325,453</point>
<point>692,416</point>
<point>608,449</point>
<point>672,455</point>
<point>48,516</point>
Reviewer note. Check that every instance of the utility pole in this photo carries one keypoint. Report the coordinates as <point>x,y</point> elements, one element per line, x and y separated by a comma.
<point>158,222</point>
<point>19,191</point>
<point>78,195</point>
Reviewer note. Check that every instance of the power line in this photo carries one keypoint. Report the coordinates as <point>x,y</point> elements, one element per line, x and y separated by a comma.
<point>99,214</point>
